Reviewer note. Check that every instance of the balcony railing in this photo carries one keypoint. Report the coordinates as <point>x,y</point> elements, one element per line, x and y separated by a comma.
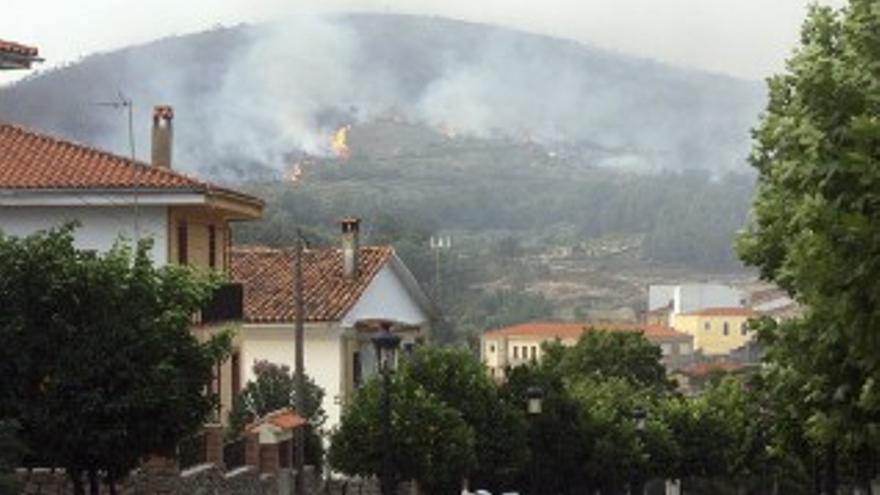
<point>226,304</point>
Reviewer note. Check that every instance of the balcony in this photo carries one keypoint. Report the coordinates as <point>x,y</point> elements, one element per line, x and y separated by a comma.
<point>226,304</point>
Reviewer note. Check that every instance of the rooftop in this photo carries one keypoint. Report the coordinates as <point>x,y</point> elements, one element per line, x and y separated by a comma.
<point>747,312</point>
<point>32,161</point>
<point>268,278</point>
<point>564,330</point>
<point>11,47</point>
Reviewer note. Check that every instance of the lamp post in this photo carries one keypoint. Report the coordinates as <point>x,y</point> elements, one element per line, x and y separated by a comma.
<point>534,407</point>
<point>386,349</point>
<point>641,418</point>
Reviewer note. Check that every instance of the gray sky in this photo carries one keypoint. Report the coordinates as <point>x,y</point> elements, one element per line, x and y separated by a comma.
<point>747,38</point>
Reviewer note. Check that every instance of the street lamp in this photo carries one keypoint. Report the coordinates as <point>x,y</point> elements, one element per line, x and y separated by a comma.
<point>534,407</point>
<point>386,355</point>
<point>641,418</point>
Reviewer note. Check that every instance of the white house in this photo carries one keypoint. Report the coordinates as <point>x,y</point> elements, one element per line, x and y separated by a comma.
<point>346,291</point>
<point>46,181</point>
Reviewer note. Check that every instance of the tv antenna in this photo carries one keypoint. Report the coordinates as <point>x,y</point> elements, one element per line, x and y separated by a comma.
<point>127,104</point>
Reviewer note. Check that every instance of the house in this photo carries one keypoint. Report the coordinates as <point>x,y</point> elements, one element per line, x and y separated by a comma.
<point>346,291</point>
<point>15,56</point>
<point>518,344</point>
<point>46,181</point>
<point>716,330</point>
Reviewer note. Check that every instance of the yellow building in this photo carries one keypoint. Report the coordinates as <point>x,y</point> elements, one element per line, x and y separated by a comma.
<point>505,348</point>
<point>716,330</point>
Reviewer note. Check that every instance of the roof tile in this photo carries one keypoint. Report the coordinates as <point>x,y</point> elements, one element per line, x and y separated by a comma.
<point>574,330</point>
<point>267,275</point>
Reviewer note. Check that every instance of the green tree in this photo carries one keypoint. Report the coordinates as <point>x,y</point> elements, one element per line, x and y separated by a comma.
<point>459,380</point>
<point>100,368</point>
<point>815,227</point>
<point>607,354</point>
<point>430,441</point>
<point>10,457</point>
<point>274,388</point>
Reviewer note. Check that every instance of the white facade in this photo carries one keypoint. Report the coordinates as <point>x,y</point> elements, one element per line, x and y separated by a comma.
<point>329,346</point>
<point>688,298</point>
<point>100,226</point>
<point>323,354</point>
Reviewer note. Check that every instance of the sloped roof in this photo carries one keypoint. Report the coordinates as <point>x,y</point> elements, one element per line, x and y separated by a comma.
<point>747,312</point>
<point>284,419</point>
<point>267,275</point>
<point>14,48</point>
<point>565,330</point>
<point>33,161</point>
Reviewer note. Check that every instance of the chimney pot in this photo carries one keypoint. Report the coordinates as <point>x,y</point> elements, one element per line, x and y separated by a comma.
<point>163,134</point>
<point>351,227</point>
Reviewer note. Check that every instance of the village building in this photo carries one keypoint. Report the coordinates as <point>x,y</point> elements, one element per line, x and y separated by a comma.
<point>508,347</point>
<point>46,182</point>
<point>347,291</point>
<point>716,331</point>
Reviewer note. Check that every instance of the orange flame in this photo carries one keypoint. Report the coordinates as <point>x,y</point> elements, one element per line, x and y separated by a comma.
<point>340,143</point>
<point>295,173</point>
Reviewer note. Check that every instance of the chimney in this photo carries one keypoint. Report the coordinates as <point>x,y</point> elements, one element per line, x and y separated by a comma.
<point>163,133</point>
<point>351,227</point>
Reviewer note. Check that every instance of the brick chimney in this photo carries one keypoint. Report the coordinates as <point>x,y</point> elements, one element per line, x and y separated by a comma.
<point>351,227</point>
<point>163,134</point>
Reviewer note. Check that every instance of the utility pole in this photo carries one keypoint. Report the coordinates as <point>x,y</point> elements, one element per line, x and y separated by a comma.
<point>439,244</point>
<point>299,367</point>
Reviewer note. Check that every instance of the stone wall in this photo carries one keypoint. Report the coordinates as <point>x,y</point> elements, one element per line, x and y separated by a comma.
<point>206,479</point>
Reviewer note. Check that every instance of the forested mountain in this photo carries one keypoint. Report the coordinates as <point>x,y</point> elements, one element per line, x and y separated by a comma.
<point>519,146</point>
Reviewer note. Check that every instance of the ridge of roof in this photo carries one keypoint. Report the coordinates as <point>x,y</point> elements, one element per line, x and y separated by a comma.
<point>575,329</point>
<point>723,311</point>
<point>35,161</point>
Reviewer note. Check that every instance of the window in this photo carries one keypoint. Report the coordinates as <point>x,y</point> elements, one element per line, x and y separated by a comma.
<point>515,352</point>
<point>666,349</point>
<point>356,372</point>
<point>182,243</point>
<point>707,326</point>
<point>726,328</point>
<point>534,352</point>
<point>684,349</point>
<point>743,328</point>
<point>212,247</point>
<point>492,348</point>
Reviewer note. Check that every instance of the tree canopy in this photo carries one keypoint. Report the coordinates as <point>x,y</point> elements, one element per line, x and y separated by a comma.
<point>100,368</point>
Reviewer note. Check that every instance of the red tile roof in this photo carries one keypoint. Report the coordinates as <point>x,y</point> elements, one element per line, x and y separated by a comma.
<point>35,161</point>
<point>747,312</point>
<point>268,277</point>
<point>285,419</point>
<point>18,49</point>
<point>574,330</point>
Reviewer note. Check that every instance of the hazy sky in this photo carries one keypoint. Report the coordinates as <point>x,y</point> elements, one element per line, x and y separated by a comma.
<point>747,38</point>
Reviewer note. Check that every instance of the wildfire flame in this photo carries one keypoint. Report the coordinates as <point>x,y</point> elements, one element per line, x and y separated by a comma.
<point>295,173</point>
<point>340,143</point>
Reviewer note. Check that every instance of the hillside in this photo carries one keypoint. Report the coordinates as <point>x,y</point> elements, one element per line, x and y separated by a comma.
<point>247,97</point>
<point>568,177</point>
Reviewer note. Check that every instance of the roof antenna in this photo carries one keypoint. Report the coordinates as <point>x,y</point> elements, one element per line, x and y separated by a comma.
<point>123,102</point>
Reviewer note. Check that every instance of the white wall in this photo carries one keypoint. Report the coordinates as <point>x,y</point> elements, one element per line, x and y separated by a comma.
<point>322,357</point>
<point>386,298</point>
<point>697,297</point>
<point>100,226</point>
